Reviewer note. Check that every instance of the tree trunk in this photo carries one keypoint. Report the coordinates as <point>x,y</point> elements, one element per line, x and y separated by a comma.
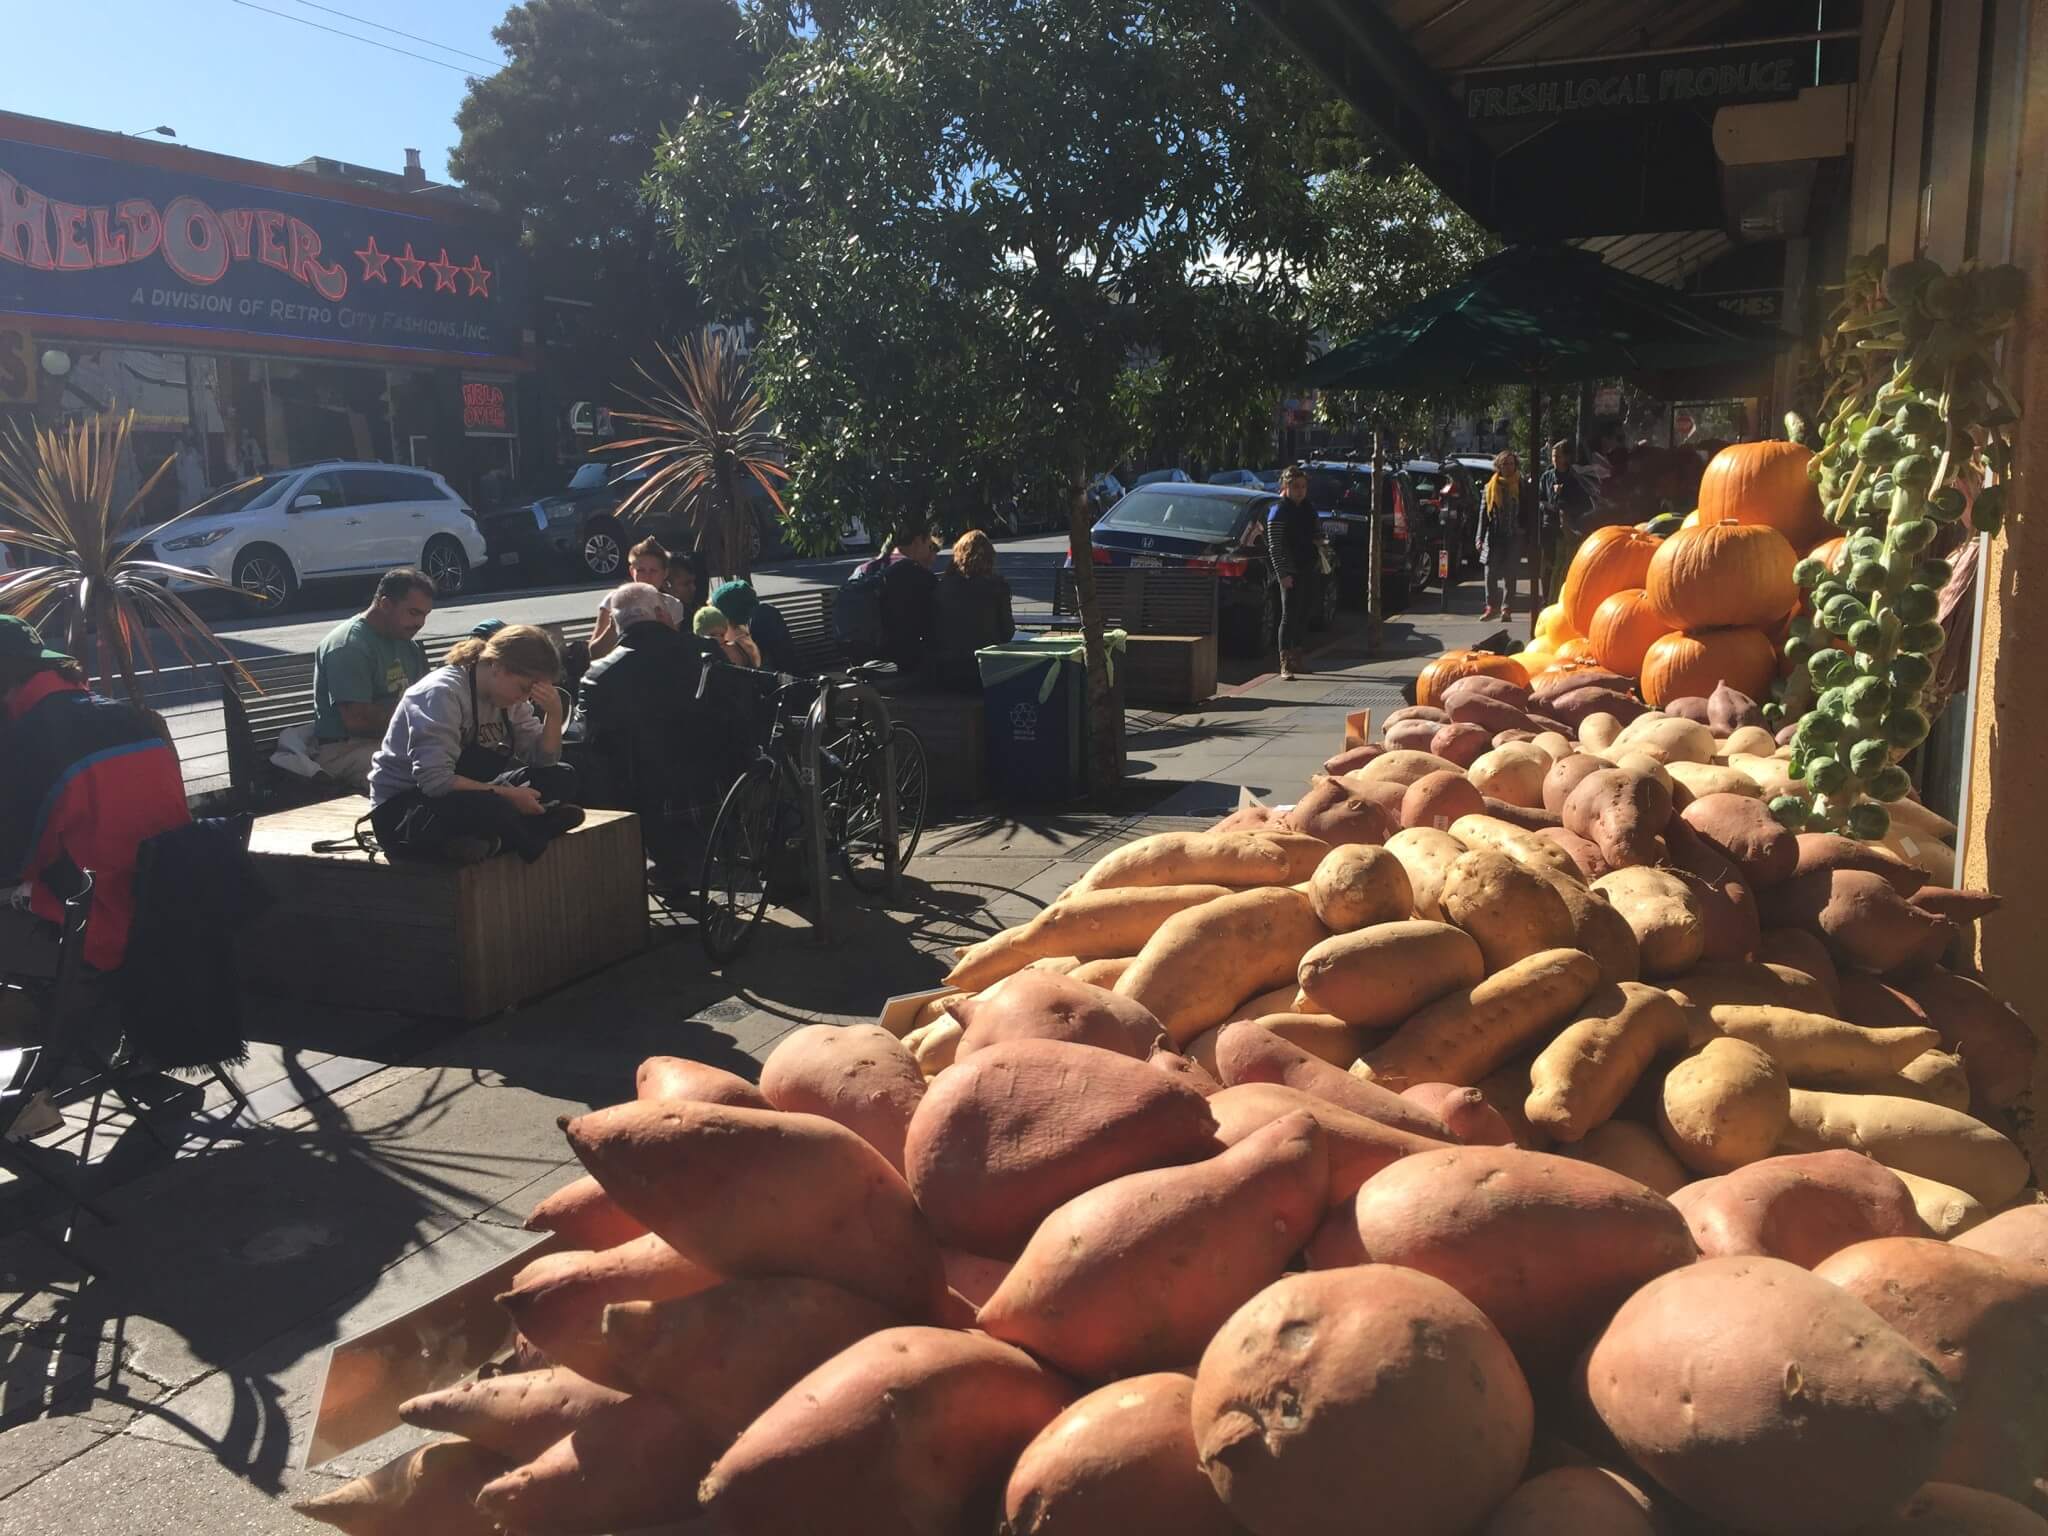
<point>1102,768</point>
<point>738,558</point>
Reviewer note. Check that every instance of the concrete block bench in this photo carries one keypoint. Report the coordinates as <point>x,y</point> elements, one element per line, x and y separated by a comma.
<point>449,941</point>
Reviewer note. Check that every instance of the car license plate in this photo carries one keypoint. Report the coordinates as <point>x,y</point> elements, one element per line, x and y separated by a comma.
<point>509,557</point>
<point>1147,560</point>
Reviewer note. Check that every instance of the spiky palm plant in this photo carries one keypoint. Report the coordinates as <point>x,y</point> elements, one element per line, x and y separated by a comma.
<point>57,501</point>
<point>704,434</point>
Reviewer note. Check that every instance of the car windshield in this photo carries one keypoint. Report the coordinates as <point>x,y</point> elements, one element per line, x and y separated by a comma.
<point>241,498</point>
<point>589,477</point>
<point>1427,482</point>
<point>1164,509</point>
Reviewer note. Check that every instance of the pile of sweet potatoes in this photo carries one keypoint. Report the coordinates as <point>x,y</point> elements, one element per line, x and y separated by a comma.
<point>1626,1164</point>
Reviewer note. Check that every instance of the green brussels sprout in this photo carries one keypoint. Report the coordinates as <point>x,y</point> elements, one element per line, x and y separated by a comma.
<point>1816,732</point>
<point>1866,577</point>
<point>1827,810</point>
<point>1878,445</point>
<point>1801,625</point>
<point>1889,783</point>
<point>1828,775</point>
<point>1799,647</point>
<point>1908,675</point>
<point>1945,505</point>
<point>1833,702</point>
<point>1866,635</point>
<point>1865,546</point>
<point>1790,811</point>
<point>1827,666</point>
<point>1906,282</point>
<point>1827,592</point>
<point>1918,417</point>
<point>1916,605</point>
<point>1913,469</point>
<point>1933,573</point>
<point>1867,756</point>
<point>1988,514</point>
<point>1868,820</point>
<point>1923,639</point>
<point>1907,506</point>
<point>1913,535</point>
<point>1809,573</point>
<point>1906,728</point>
<point>1881,489</point>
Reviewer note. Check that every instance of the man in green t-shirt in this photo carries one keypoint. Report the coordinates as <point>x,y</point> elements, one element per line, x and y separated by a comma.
<point>360,671</point>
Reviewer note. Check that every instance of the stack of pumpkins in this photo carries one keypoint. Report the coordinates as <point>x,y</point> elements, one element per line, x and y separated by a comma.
<point>1706,603</point>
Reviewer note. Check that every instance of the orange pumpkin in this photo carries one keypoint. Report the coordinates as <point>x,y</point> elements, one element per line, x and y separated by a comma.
<point>1578,648</point>
<point>1551,627</point>
<point>1624,627</point>
<point>1611,560</point>
<point>1692,663</point>
<point>1764,483</point>
<point>1452,665</point>
<point>1722,574</point>
<point>1828,550</point>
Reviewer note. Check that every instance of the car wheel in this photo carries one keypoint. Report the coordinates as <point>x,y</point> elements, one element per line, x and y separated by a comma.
<point>446,564</point>
<point>263,575</point>
<point>603,551</point>
<point>1421,567</point>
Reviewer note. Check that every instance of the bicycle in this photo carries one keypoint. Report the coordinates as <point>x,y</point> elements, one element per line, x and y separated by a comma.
<point>763,821</point>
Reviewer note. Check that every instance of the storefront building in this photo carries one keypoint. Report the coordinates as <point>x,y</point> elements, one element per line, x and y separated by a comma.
<point>253,316</point>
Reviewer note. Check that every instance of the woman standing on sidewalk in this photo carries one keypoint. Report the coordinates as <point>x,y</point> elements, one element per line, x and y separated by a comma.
<point>1291,528</point>
<point>1500,532</point>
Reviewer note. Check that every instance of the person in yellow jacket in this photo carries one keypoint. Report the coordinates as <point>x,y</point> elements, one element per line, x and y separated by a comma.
<point>1501,520</point>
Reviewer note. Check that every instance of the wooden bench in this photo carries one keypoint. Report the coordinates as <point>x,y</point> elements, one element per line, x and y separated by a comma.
<point>808,617</point>
<point>1169,619</point>
<point>449,941</point>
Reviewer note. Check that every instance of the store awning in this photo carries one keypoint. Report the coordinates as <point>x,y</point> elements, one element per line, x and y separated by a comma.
<point>1541,315</point>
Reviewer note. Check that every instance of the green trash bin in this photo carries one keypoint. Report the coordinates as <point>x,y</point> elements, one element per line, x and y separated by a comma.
<point>1034,692</point>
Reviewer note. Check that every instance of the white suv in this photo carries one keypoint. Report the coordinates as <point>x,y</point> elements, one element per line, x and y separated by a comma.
<point>339,518</point>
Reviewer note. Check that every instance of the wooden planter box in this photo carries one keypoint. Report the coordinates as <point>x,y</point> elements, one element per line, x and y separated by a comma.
<point>1169,671</point>
<point>450,941</point>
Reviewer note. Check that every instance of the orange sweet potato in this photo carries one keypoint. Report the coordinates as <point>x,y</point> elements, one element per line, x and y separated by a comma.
<point>1620,813</point>
<point>1033,1005</point>
<point>1800,1207</point>
<point>2020,1234</point>
<point>857,1074</point>
<point>1995,1043</point>
<point>1799,950</point>
<point>1358,1147</point>
<point>1742,830</point>
<point>432,1488</point>
<point>1944,1509</point>
<point>633,1464</point>
<point>1566,774</point>
<point>1117,1461</point>
<point>745,1192</point>
<point>722,1356</point>
<point>1575,1501</point>
<point>1861,918</point>
<point>1248,1053</point>
<point>517,1416</point>
<point>1019,1129</point>
<point>1185,1069</point>
<point>893,1437</point>
<point>1983,1321</point>
<point>675,1077</point>
<point>1768,1400</point>
<point>1336,812</point>
<point>1464,1112</point>
<point>558,1300</point>
<point>1320,1365</point>
<point>584,1216</point>
<point>1138,1273</point>
<point>1829,851</point>
<point>1547,1247</point>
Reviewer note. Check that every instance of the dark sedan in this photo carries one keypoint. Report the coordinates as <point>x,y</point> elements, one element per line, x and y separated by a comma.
<point>1181,525</point>
<point>577,529</point>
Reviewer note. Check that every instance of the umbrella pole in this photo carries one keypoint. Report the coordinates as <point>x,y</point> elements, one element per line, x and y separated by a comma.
<point>1538,564</point>
<point>1374,552</point>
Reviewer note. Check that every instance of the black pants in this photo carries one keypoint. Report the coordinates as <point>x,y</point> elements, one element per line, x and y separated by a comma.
<point>1297,604</point>
<point>417,826</point>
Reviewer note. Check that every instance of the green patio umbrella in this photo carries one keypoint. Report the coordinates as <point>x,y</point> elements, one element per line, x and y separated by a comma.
<point>1542,315</point>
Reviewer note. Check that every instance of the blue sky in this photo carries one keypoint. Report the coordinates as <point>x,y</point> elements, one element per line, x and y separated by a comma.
<point>240,81</point>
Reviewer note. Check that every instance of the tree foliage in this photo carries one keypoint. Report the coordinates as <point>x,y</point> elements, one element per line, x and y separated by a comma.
<point>564,137</point>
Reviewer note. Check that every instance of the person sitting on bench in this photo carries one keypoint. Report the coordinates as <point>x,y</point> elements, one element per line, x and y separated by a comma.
<point>359,671</point>
<point>655,567</point>
<point>471,764</point>
<point>729,641</point>
<point>739,602</point>
<point>971,608</point>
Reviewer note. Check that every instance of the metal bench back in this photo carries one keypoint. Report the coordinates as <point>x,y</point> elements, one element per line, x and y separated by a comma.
<point>1165,602</point>
<point>808,616</point>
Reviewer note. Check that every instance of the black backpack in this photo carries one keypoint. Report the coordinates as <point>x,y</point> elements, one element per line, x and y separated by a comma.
<point>857,611</point>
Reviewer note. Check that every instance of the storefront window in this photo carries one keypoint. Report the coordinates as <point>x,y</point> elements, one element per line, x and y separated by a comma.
<point>326,411</point>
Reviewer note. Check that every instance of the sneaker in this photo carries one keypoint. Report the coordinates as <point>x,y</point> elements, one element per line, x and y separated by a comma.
<point>469,850</point>
<point>560,818</point>
<point>1486,613</point>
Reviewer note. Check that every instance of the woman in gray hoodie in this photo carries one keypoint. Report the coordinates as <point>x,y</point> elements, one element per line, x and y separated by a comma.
<point>471,763</point>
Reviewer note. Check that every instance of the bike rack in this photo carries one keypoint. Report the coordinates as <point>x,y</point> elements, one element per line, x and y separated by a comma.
<point>821,716</point>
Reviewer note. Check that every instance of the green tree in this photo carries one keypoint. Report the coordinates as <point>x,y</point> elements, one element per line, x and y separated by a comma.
<point>961,219</point>
<point>564,137</point>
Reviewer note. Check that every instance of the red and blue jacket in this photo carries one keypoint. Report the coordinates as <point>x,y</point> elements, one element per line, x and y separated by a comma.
<point>88,781</point>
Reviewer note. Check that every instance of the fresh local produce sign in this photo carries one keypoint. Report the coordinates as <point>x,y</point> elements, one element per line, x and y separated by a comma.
<point>87,238</point>
<point>1713,78</point>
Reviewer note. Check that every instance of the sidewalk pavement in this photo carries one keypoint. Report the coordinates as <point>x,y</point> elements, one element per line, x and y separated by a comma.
<point>176,1391</point>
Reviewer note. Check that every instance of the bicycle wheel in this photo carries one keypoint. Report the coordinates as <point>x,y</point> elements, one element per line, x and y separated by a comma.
<point>736,861</point>
<point>861,849</point>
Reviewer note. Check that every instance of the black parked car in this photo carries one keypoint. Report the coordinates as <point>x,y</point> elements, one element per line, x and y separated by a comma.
<point>1342,492</point>
<point>1430,477</point>
<point>1178,524</point>
<point>578,530</point>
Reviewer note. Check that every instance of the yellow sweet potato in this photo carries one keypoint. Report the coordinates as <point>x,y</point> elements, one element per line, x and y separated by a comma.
<point>1119,1460</point>
<point>1235,859</point>
<point>1526,848</point>
<point>1102,973</point>
<point>1426,856</point>
<point>1926,1139</point>
<point>1203,962</point>
<point>1664,915</point>
<point>857,1074</point>
<point>1948,1211</point>
<point>1746,982</point>
<point>1358,885</point>
<point>1817,1051</point>
<point>1323,1035</point>
<point>1377,976</point>
<point>1459,1039</point>
<point>1510,911</point>
<point>1582,1076</point>
<point>1724,1106</point>
<point>1513,773</point>
<point>933,1046</point>
<point>1401,767</point>
<point>1140,1272</point>
<point>1093,925</point>
<point>1939,1077</point>
<point>1599,930</point>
